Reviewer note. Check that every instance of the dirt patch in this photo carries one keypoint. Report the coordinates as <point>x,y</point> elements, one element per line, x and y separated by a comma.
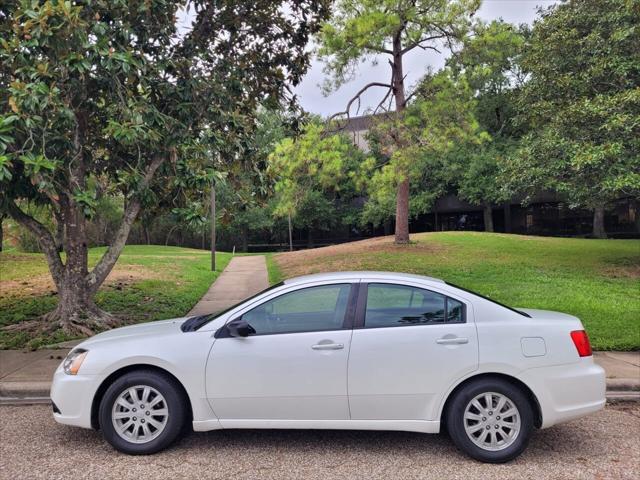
<point>38,285</point>
<point>622,271</point>
<point>349,256</point>
<point>14,258</point>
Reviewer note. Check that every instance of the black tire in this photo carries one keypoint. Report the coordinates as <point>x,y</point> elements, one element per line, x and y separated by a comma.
<point>175,404</point>
<point>455,423</point>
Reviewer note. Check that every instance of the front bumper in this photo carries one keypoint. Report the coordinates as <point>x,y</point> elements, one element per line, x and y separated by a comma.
<point>565,392</point>
<point>73,396</point>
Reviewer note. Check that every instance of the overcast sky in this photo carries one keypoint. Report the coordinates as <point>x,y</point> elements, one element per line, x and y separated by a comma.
<point>416,63</point>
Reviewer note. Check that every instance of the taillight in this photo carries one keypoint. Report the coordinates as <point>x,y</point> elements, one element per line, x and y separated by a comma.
<point>581,341</point>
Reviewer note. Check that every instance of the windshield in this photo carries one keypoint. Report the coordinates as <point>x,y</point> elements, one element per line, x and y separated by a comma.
<point>194,323</point>
<point>524,314</point>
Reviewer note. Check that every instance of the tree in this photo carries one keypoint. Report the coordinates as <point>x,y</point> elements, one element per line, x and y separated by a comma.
<point>582,103</point>
<point>479,177</point>
<point>423,143</point>
<point>317,174</point>
<point>362,29</point>
<point>109,91</point>
<point>245,199</point>
<point>489,63</point>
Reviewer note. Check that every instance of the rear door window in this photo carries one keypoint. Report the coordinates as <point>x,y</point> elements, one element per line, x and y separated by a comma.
<point>390,305</point>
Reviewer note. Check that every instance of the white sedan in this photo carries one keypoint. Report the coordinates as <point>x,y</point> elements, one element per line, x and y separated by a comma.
<point>351,350</point>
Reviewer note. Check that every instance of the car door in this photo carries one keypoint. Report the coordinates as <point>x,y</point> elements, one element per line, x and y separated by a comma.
<point>409,344</point>
<point>294,367</point>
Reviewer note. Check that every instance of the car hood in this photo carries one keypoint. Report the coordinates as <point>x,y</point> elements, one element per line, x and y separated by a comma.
<point>148,329</point>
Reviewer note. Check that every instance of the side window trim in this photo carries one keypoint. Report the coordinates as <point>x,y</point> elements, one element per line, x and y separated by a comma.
<point>361,309</point>
<point>361,306</point>
<point>352,303</point>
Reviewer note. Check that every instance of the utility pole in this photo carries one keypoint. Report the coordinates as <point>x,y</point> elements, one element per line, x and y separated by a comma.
<point>290,235</point>
<point>213,226</point>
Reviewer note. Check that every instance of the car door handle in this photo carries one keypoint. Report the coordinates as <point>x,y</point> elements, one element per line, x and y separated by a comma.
<point>328,346</point>
<point>452,341</point>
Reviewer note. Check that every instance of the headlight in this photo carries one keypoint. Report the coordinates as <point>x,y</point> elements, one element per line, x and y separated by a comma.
<point>73,361</point>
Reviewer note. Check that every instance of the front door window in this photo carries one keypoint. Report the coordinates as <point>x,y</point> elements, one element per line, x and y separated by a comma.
<point>307,310</point>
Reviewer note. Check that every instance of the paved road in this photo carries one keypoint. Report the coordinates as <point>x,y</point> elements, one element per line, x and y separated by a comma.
<point>32,446</point>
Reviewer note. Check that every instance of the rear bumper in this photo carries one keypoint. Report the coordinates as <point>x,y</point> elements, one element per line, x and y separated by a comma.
<point>73,396</point>
<point>565,392</point>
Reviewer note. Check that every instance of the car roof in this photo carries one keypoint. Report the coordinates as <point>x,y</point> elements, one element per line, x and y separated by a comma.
<point>330,276</point>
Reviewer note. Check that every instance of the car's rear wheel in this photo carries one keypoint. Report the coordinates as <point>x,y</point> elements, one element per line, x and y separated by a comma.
<point>491,420</point>
<point>142,412</point>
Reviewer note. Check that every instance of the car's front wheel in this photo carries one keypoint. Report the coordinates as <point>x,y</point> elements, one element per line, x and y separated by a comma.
<point>491,420</point>
<point>142,412</point>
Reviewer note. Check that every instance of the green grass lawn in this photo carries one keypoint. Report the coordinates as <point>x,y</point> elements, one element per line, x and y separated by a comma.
<point>149,283</point>
<point>273,270</point>
<point>596,280</point>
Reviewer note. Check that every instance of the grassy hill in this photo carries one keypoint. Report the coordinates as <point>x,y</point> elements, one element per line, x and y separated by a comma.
<point>596,280</point>
<point>149,282</point>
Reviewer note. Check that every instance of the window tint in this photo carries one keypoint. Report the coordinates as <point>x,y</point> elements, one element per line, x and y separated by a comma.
<point>307,310</point>
<point>399,305</point>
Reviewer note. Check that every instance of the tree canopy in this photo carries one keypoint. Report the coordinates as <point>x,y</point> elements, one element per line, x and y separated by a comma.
<point>101,98</point>
<point>582,104</point>
<point>360,30</point>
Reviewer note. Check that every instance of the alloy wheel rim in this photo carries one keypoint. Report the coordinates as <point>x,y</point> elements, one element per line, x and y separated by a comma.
<point>139,414</point>
<point>492,421</point>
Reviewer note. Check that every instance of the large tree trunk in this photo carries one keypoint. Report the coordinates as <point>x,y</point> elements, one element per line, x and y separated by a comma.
<point>402,213</point>
<point>598,223</point>
<point>402,193</point>
<point>77,313</point>
<point>59,236</point>
<point>488,217</point>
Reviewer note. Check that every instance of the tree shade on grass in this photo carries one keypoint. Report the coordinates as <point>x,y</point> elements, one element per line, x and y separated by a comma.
<point>596,280</point>
<point>149,283</point>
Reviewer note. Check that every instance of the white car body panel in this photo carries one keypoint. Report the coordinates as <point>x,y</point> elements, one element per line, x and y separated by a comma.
<point>400,373</point>
<point>279,377</point>
<point>383,378</point>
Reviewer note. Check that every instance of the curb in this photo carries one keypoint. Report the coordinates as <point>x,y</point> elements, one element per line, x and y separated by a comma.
<point>615,396</point>
<point>18,390</point>
<point>24,401</point>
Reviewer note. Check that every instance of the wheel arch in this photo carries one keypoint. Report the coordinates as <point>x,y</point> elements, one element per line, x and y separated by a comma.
<point>97,398</point>
<point>533,400</point>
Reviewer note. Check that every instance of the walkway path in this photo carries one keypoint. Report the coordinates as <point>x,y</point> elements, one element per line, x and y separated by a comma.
<point>243,277</point>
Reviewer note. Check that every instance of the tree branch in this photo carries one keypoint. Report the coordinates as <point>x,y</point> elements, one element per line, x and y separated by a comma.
<point>378,49</point>
<point>420,42</point>
<point>357,97</point>
<point>110,257</point>
<point>384,99</point>
<point>47,241</point>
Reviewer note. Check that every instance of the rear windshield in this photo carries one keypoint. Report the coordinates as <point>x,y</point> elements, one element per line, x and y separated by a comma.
<point>524,314</point>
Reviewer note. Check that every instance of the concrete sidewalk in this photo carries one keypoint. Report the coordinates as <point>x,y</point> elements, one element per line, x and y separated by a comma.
<point>26,376</point>
<point>243,277</point>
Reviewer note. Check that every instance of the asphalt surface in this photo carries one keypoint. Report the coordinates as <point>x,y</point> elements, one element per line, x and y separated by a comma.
<point>601,446</point>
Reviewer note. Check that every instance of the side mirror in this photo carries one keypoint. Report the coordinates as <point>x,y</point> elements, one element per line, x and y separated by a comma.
<point>239,328</point>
